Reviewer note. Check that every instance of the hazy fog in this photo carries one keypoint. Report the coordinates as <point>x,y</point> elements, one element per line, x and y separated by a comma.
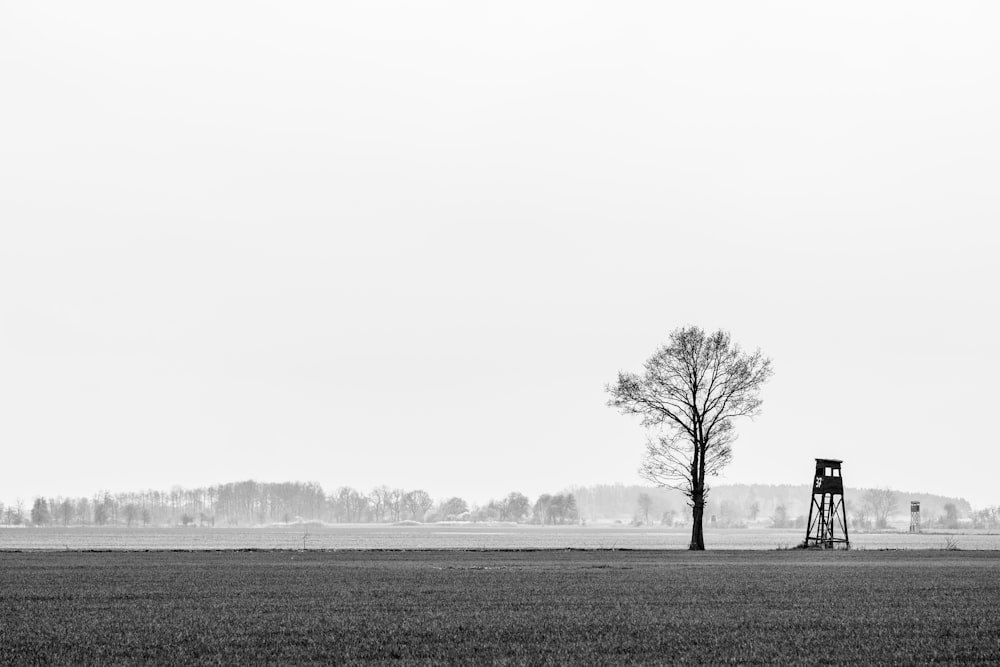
<point>409,243</point>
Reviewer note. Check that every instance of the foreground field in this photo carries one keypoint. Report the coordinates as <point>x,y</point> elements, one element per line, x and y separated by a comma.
<point>570,607</point>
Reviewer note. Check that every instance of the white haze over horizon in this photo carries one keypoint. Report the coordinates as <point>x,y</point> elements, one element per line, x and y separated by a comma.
<point>409,243</point>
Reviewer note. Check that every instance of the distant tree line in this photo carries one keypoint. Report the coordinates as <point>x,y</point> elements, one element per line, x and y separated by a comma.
<point>259,503</point>
<point>988,518</point>
<point>771,506</point>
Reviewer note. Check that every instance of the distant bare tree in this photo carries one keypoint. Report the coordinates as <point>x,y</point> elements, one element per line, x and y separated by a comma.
<point>453,508</point>
<point>105,509</point>
<point>394,503</point>
<point>66,508</point>
<point>950,518</point>
<point>131,512</point>
<point>84,511</point>
<point>988,517</point>
<point>570,513</point>
<point>417,503</point>
<point>379,499</point>
<point>541,512</point>
<point>558,509</point>
<point>40,515</point>
<point>880,504</point>
<point>780,518</point>
<point>515,507</point>
<point>645,504</point>
<point>14,514</point>
<point>691,390</point>
<point>491,511</point>
<point>359,505</point>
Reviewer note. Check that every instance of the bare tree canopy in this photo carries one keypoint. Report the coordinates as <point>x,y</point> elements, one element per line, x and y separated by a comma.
<point>690,392</point>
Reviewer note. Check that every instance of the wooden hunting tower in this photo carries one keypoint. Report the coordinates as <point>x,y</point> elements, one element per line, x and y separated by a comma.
<point>914,516</point>
<point>827,523</point>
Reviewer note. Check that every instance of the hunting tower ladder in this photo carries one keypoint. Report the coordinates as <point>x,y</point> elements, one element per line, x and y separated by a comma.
<point>827,525</point>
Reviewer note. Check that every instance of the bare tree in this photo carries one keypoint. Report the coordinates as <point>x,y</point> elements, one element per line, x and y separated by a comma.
<point>16,513</point>
<point>40,514</point>
<point>880,504</point>
<point>541,512</point>
<point>417,503</point>
<point>780,518</point>
<point>394,503</point>
<point>691,390</point>
<point>645,504</point>
<point>950,518</point>
<point>66,511</point>
<point>453,508</point>
<point>131,512</point>
<point>515,507</point>
<point>379,500</point>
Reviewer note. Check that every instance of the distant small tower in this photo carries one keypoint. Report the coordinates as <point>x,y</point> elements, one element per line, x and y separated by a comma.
<point>914,516</point>
<point>827,523</point>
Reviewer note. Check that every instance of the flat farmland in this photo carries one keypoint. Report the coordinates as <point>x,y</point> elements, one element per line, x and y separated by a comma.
<point>453,536</point>
<point>500,607</point>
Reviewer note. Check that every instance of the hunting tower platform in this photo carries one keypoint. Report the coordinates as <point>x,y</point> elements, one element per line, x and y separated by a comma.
<point>827,525</point>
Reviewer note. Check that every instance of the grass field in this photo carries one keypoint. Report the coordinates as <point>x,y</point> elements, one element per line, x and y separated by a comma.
<point>569,607</point>
<point>455,536</point>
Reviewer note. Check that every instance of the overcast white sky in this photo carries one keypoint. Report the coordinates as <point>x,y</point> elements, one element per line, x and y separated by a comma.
<point>409,243</point>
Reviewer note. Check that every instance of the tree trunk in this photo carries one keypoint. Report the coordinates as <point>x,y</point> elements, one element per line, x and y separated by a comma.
<point>697,512</point>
